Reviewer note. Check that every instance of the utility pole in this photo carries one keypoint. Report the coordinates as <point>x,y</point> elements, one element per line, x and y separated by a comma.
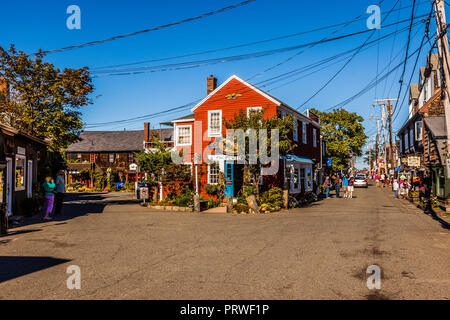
<point>444,57</point>
<point>389,114</point>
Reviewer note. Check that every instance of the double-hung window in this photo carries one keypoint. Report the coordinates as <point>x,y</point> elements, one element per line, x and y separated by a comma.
<point>251,110</point>
<point>215,123</point>
<point>213,173</point>
<point>304,132</point>
<point>184,135</point>
<point>314,138</point>
<point>295,134</point>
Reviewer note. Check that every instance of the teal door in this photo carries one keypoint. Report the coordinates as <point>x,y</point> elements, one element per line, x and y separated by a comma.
<point>229,181</point>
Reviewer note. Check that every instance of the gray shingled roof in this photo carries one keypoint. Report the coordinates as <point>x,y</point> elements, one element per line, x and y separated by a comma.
<point>187,117</point>
<point>115,141</point>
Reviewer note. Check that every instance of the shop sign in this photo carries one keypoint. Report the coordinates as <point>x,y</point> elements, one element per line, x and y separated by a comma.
<point>413,161</point>
<point>133,167</point>
<point>21,150</point>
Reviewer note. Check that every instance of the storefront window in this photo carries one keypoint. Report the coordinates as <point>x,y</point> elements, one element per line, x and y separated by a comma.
<point>20,172</point>
<point>302,178</point>
<point>296,177</point>
<point>309,179</point>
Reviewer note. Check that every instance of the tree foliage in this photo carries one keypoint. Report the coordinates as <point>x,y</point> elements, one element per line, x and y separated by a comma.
<point>343,134</point>
<point>44,101</point>
<point>258,122</point>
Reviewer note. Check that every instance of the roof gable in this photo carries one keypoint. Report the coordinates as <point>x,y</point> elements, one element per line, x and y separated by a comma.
<point>259,91</point>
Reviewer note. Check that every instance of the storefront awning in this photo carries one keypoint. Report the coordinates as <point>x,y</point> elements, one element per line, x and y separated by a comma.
<point>294,158</point>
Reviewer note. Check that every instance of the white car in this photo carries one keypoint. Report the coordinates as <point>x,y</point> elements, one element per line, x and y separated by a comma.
<point>360,181</point>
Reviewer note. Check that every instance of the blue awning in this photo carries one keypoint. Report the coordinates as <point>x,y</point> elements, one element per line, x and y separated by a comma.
<point>399,168</point>
<point>294,158</point>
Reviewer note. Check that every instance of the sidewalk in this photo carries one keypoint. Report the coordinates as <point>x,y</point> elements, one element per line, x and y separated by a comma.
<point>436,213</point>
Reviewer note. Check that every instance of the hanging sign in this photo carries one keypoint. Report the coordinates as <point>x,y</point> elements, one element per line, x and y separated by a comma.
<point>413,161</point>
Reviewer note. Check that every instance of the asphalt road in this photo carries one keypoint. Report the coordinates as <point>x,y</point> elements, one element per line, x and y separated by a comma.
<point>125,251</point>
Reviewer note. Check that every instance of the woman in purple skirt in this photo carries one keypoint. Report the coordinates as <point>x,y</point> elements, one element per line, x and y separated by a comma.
<point>49,188</point>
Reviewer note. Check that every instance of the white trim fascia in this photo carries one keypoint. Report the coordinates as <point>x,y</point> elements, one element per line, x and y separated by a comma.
<point>277,102</point>
<point>214,135</point>
<point>176,136</point>
<point>184,120</point>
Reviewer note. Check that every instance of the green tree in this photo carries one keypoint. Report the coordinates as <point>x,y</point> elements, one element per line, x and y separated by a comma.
<point>257,121</point>
<point>43,100</point>
<point>157,162</point>
<point>343,134</point>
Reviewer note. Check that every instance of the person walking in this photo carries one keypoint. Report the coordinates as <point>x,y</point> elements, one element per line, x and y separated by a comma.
<point>382,179</point>
<point>345,186</point>
<point>395,187</point>
<point>327,187</point>
<point>350,187</point>
<point>337,186</point>
<point>60,191</point>
<point>49,188</point>
<point>377,180</point>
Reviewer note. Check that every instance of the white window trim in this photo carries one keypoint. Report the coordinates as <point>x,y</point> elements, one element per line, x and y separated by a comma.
<point>253,108</point>
<point>209,173</point>
<point>176,136</point>
<point>417,133</point>
<point>212,135</point>
<point>16,188</point>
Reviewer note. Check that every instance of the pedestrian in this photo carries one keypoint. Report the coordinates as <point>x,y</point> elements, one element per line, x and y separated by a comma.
<point>377,180</point>
<point>345,186</point>
<point>395,187</point>
<point>327,187</point>
<point>60,190</point>
<point>337,186</point>
<point>382,179</point>
<point>49,188</point>
<point>350,187</point>
<point>403,189</point>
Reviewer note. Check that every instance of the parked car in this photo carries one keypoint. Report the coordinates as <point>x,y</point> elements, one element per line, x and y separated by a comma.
<point>361,181</point>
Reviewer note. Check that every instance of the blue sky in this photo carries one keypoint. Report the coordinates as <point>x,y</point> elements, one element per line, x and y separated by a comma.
<point>31,25</point>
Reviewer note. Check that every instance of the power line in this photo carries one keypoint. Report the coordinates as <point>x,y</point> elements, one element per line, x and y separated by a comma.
<point>282,76</point>
<point>92,43</point>
<point>309,47</point>
<point>200,63</point>
<point>373,83</point>
<point>347,63</point>
<point>235,46</point>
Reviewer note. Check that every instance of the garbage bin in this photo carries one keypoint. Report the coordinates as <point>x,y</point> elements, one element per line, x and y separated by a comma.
<point>3,219</point>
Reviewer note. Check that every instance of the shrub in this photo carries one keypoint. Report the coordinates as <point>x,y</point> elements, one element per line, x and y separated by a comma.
<point>273,197</point>
<point>240,207</point>
<point>183,200</point>
<point>213,203</point>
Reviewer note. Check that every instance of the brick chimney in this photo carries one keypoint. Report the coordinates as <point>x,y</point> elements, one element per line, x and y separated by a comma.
<point>4,90</point>
<point>211,84</point>
<point>146,131</point>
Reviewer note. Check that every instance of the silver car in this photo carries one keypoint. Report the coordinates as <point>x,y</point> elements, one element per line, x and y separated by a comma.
<point>360,181</point>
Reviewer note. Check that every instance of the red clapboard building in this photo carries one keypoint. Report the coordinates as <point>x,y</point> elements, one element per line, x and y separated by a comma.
<point>194,133</point>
